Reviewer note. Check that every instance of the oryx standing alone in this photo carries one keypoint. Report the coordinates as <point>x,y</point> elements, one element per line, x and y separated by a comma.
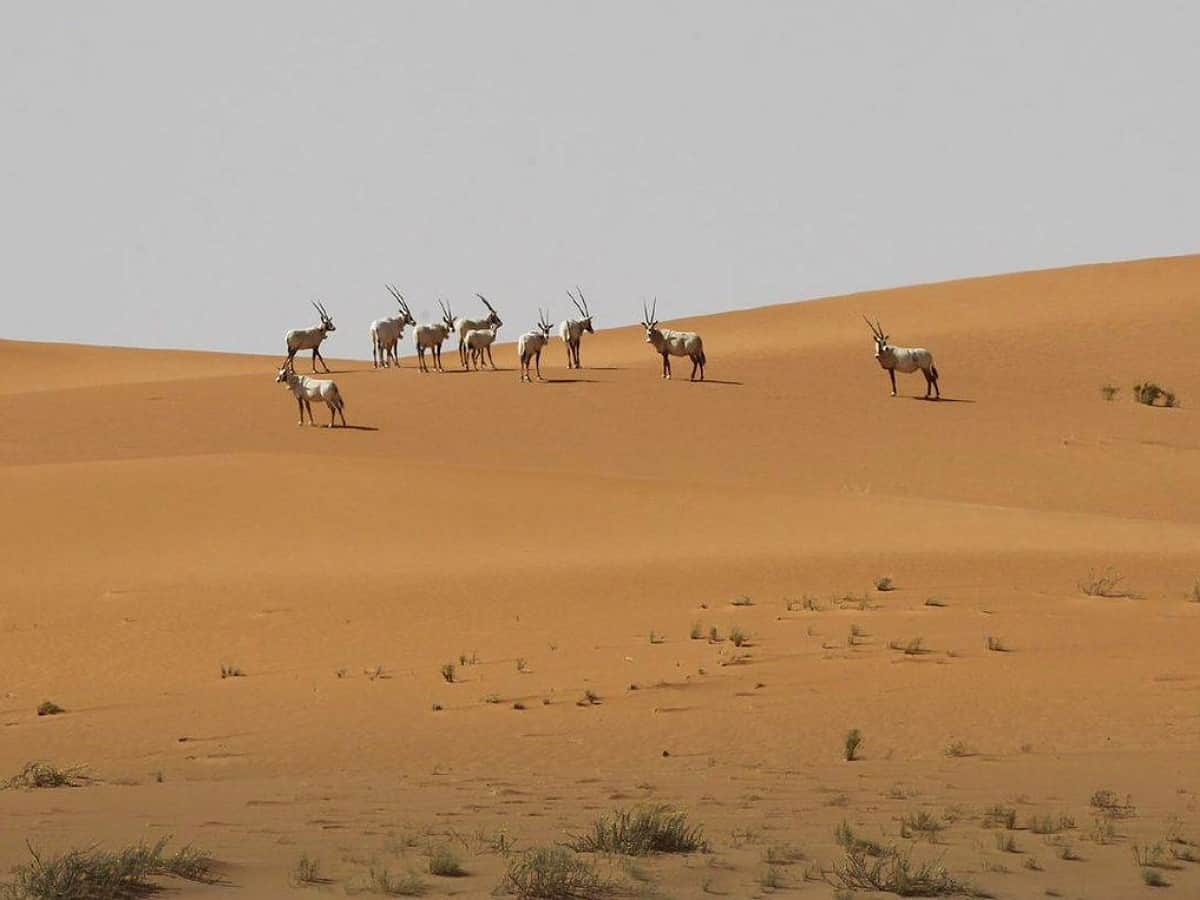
<point>309,339</point>
<point>530,344</point>
<point>386,334</point>
<point>462,326</point>
<point>904,359</point>
<point>431,337</point>
<point>673,343</point>
<point>306,389</point>
<point>572,330</point>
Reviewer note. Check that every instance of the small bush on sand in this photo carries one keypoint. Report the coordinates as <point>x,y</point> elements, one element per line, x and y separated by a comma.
<point>1005,842</point>
<point>307,871</point>
<point>589,698</point>
<point>382,881</point>
<point>1154,878</point>
<point>738,637</point>
<point>922,824</point>
<point>743,600</point>
<point>1108,804</point>
<point>642,830</point>
<point>884,584</point>
<point>854,740</point>
<point>851,842</point>
<point>1110,391</point>
<point>1150,394</point>
<point>44,775</point>
<point>1105,584</point>
<point>444,863</point>
<point>228,671</point>
<point>1000,817</point>
<point>1051,824</point>
<point>996,645</point>
<point>448,671</point>
<point>49,708</point>
<point>958,749</point>
<point>553,873</point>
<point>96,874</point>
<point>895,873</point>
<point>936,601</point>
<point>1194,593</point>
<point>697,632</point>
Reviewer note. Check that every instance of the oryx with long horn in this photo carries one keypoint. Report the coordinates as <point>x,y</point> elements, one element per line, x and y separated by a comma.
<point>572,330</point>
<point>904,359</point>
<point>530,345</point>
<point>306,390</point>
<point>462,326</point>
<point>309,338</point>
<point>386,333</point>
<point>431,337</point>
<point>673,343</point>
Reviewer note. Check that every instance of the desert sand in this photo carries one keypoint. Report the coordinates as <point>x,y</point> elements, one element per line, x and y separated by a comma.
<point>165,517</point>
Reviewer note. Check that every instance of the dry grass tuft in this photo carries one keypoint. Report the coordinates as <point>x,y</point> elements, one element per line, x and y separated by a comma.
<point>554,873</point>
<point>1105,584</point>
<point>654,828</point>
<point>39,774</point>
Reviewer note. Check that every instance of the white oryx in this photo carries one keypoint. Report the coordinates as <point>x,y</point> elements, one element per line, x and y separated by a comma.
<point>306,389</point>
<point>431,336</point>
<point>462,326</point>
<point>530,344</point>
<point>572,330</point>
<point>904,359</point>
<point>674,343</point>
<point>479,341</point>
<point>386,334</point>
<point>309,339</point>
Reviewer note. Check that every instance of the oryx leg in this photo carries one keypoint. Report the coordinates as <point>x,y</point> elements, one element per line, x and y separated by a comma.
<point>300,408</point>
<point>538,357</point>
<point>892,375</point>
<point>308,406</point>
<point>491,361</point>
<point>317,355</point>
<point>578,364</point>
<point>666,366</point>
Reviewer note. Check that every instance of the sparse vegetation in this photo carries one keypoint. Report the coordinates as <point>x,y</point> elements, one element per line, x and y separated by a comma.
<point>936,601</point>
<point>782,855</point>
<point>738,637</point>
<point>522,665</point>
<point>589,698</point>
<point>39,774</point>
<point>448,671</point>
<point>851,842</point>
<point>1105,584</point>
<point>1194,595</point>
<point>1110,391</point>
<point>854,740</point>
<point>518,705</point>
<point>743,600</point>
<point>884,584</point>
<point>640,831</point>
<point>911,647</point>
<point>956,749</point>
<point>444,863</point>
<point>1154,878</point>
<point>894,872</point>
<point>1000,817</point>
<point>656,638</point>
<point>714,636</point>
<point>772,878</point>
<point>381,881</point>
<point>49,708</point>
<point>228,671</point>
<point>553,873</point>
<point>996,645</point>
<point>492,699</point>
<point>697,632</point>
<point>1150,394</point>
<point>856,633</point>
<point>1051,824</point>
<point>1005,842</point>
<point>1108,804</point>
<point>922,824</point>
<point>96,874</point>
<point>307,872</point>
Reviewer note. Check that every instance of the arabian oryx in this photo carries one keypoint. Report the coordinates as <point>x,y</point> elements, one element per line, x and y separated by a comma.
<point>904,359</point>
<point>478,341</point>
<point>462,326</point>
<point>386,334</point>
<point>572,330</point>
<point>309,339</point>
<point>431,337</point>
<point>530,344</point>
<point>674,343</point>
<point>306,389</point>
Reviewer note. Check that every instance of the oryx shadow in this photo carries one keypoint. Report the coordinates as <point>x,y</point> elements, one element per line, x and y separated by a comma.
<point>719,381</point>
<point>571,381</point>
<point>352,428</point>
<point>941,399</point>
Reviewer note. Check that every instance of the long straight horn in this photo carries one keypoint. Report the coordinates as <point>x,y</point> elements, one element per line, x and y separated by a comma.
<point>654,311</point>
<point>395,293</point>
<point>645,314</point>
<point>583,300</point>
<point>869,325</point>
<point>485,303</point>
<point>577,306</point>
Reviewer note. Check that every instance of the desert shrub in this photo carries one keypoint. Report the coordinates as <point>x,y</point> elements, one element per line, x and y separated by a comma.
<point>854,740</point>
<point>589,698</point>
<point>229,671</point>
<point>922,824</point>
<point>642,830</point>
<point>1150,394</point>
<point>851,842</point>
<point>1108,804</point>
<point>743,600</point>
<point>911,647</point>
<point>307,871</point>
<point>894,872</point>
<point>448,671</point>
<point>781,855</point>
<point>957,749</point>
<point>996,645</point>
<point>1051,824</point>
<point>936,601</point>
<point>96,874</point>
<point>553,873</point>
<point>738,637</point>
<point>1154,878</point>
<point>1000,817</point>
<point>445,863</point>
<point>39,774</point>
<point>1110,391</point>
<point>1104,584</point>
<point>697,632</point>
<point>382,881</point>
<point>49,708</point>
<point>1005,842</point>
<point>772,878</point>
<point>884,583</point>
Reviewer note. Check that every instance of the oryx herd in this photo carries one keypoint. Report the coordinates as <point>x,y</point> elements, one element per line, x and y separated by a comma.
<point>476,336</point>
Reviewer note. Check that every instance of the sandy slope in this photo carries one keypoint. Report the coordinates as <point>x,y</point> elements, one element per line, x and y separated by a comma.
<point>165,516</point>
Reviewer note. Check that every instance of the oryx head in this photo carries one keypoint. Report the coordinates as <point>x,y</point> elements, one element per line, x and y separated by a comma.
<point>447,315</point>
<point>405,312</point>
<point>493,318</point>
<point>284,371</point>
<point>881,339</point>
<point>649,322</point>
<point>326,322</point>
<point>543,324</point>
<point>585,314</point>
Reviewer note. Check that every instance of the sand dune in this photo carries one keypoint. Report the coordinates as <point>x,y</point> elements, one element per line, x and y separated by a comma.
<point>165,517</point>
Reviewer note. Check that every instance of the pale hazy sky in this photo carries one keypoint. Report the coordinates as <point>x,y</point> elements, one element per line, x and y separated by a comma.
<point>190,175</point>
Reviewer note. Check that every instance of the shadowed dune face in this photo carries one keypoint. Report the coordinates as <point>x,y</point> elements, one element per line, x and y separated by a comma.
<point>165,516</point>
